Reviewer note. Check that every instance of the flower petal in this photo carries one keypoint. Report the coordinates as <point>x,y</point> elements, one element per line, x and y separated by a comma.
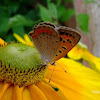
<point>20,39</point>
<point>36,93</point>
<point>49,92</point>
<point>27,94</point>
<point>17,94</point>
<point>79,81</point>
<point>4,88</point>
<point>8,95</point>
<point>2,43</point>
<point>27,39</point>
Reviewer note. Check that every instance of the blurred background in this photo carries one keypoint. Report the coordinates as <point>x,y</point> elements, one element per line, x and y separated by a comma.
<point>20,16</point>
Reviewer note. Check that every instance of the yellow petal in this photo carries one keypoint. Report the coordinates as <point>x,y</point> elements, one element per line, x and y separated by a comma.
<point>77,52</point>
<point>36,93</point>
<point>79,81</point>
<point>8,95</point>
<point>4,88</point>
<point>17,94</point>
<point>20,39</point>
<point>49,92</point>
<point>27,39</point>
<point>92,60</point>
<point>2,43</point>
<point>26,94</point>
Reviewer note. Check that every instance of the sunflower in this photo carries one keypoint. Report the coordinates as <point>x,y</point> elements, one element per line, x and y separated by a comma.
<point>79,82</point>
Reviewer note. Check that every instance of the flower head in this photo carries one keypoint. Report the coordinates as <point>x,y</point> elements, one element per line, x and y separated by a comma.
<point>79,82</point>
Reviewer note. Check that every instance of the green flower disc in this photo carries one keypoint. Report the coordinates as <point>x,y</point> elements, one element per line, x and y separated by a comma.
<point>21,64</point>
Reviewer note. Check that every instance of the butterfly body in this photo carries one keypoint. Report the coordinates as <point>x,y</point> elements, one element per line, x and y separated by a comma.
<point>53,42</point>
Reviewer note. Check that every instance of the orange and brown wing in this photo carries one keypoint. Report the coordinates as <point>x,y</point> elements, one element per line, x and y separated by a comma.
<point>68,39</point>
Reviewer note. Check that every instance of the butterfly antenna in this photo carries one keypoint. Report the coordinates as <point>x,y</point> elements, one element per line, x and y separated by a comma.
<point>52,73</point>
<point>62,67</point>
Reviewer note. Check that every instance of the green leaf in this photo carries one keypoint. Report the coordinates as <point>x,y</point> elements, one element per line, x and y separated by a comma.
<point>48,1</point>
<point>83,20</point>
<point>65,14</point>
<point>69,0</point>
<point>19,20</point>
<point>44,13</point>
<point>13,7</point>
<point>53,10</point>
<point>58,2</point>
<point>68,14</point>
<point>4,24</point>
<point>10,38</point>
<point>89,1</point>
<point>61,11</point>
<point>19,30</point>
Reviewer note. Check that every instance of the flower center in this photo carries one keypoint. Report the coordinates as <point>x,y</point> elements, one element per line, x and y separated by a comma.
<point>21,64</point>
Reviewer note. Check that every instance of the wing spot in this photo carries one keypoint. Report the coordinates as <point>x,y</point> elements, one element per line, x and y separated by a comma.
<point>64,48</point>
<point>56,41</point>
<point>61,39</point>
<point>73,36</point>
<point>37,38</point>
<point>71,44</point>
<point>61,33</point>
<point>60,51</point>
<point>68,40</point>
<point>56,55</point>
<point>54,49</point>
<point>70,34</point>
<point>66,34</point>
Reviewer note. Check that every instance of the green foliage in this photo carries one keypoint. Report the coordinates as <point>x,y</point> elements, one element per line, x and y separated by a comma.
<point>45,16</point>
<point>21,15</point>
<point>53,10</point>
<point>83,20</point>
<point>64,14</point>
<point>69,0</point>
<point>89,1</point>
<point>50,13</point>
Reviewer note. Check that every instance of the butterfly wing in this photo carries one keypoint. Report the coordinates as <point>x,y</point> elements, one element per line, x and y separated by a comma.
<point>68,39</point>
<point>46,40</point>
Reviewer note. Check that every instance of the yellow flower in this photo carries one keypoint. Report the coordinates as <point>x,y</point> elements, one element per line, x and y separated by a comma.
<point>79,83</point>
<point>80,51</point>
<point>26,39</point>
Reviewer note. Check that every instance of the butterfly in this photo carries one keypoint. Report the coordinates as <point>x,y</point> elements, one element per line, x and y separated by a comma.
<point>53,42</point>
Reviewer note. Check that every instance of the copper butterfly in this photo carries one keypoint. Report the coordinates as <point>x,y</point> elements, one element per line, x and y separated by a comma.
<point>53,42</point>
